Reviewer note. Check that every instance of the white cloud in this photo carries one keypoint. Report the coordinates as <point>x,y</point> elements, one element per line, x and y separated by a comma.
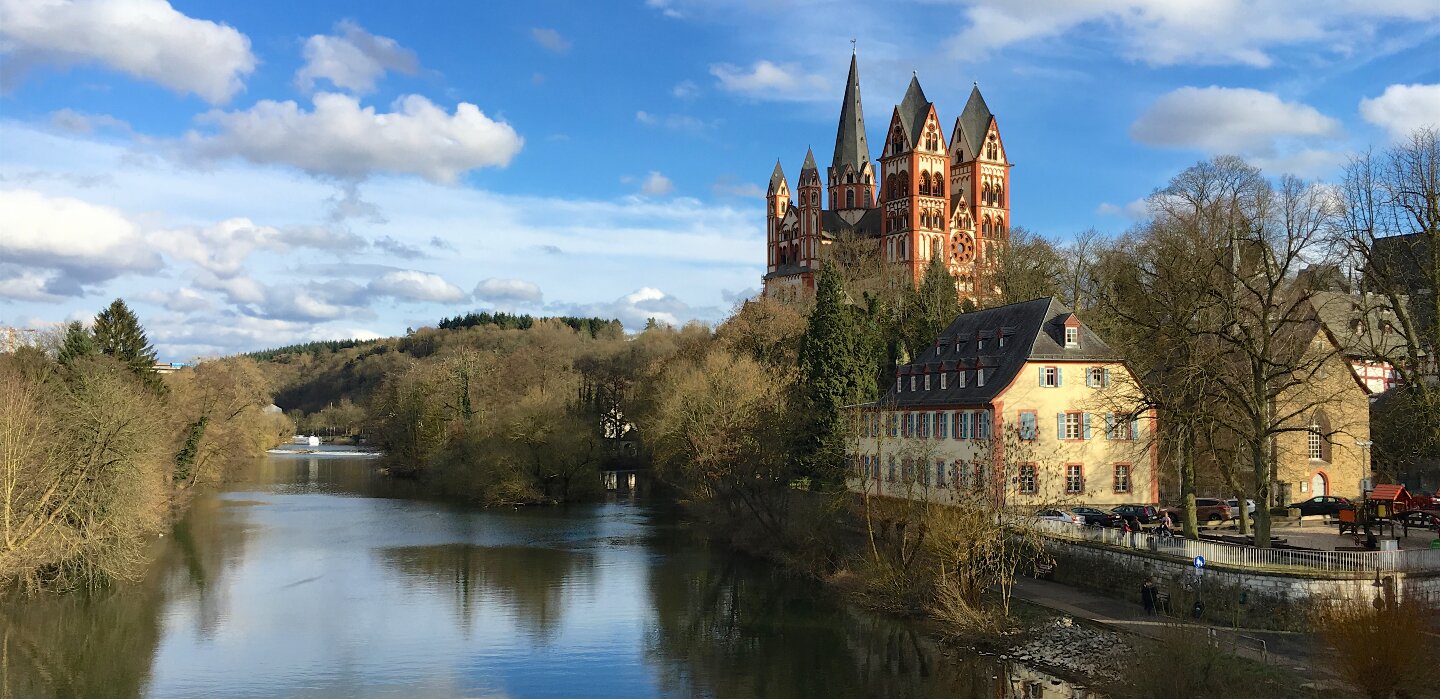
<point>220,249</point>
<point>676,122</point>
<point>71,243</point>
<point>1227,120</point>
<point>656,184</point>
<point>635,308</point>
<point>550,40</point>
<point>1166,32</point>
<point>412,285</point>
<point>147,39</point>
<point>770,81</point>
<point>1402,109</point>
<point>353,59</point>
<point>646,118</point>
<point>685,90</point>
<point>730,186</point>
<point>508,292</point>
<point>80,122</point>
<point>341,138</point>
<point>26,285</point>
<point>1135,209</point>
<point>181,300</point>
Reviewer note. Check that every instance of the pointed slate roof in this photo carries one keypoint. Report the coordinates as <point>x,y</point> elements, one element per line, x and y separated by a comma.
<point>850,146</point>
<point>912,110</point>
<point>809,161</point>
<point>975,119</point>
<point>776,177</point>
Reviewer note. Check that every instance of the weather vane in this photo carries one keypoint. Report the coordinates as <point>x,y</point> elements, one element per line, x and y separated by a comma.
<point>852,46</point>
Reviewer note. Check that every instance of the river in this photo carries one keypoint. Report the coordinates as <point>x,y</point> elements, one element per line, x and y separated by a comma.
<point>313,576</point>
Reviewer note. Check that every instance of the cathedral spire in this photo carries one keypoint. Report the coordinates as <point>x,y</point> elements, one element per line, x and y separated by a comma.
<point>850,146</point>
<point>777,177</point>
<point>809,162</point>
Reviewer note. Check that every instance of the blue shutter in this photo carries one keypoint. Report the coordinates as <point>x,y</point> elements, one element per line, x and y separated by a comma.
<point>1059,379</point>
<point>1086,423</point>
<point>1105,383</point>
<point>1042,376</point>
<point>1088,383</point>
<point>1135,427</point>
<point>1060,425</point>
<point>1109,425</point>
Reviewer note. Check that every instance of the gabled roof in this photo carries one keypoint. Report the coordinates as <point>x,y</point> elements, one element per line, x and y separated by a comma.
<point>850,146</point>
<point>1357,322</point>
<point>1034,331</point>
<point>912,110</point>
<point>776,177</point>
<point>975,119</point>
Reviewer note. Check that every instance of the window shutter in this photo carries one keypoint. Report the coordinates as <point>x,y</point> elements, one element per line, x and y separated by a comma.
<point>1042,376</point>
<point>1088,382</point>
<point>1059,378</point>
<point>1106,381</point>
<point>1135,427</point>
<point>1060,425</point>
<point>1109,425</point>
<point>1086,423</point>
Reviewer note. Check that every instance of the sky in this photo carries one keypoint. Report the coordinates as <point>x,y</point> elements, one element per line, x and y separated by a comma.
<point>250,175</point>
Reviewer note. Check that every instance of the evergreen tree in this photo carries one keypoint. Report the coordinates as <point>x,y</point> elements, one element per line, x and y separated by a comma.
<point>930,309</point>
<point>118,333</point>
<point>78,343</point>
<point>836,372</point>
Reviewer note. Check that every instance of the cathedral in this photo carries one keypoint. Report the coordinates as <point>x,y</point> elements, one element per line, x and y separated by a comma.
<point>929,196</point>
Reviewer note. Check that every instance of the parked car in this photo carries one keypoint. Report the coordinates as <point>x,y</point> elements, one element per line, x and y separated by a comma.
<point>1212,510</point>
<point>1322,505</point>
<point>1235,506</point>
<point>1146,514</point>
<point>1098,518</point>
<point>1416,519</point>
<point>1060,516</point>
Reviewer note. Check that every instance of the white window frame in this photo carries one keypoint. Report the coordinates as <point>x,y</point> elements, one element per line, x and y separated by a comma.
<point>1074,426</point>
<point>1072,337</point>
<point>1051,376</point>
<point>1074,479</point>
<point>1119,479</point>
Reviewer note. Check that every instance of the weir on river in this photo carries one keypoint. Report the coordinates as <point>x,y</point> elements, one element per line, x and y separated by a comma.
<point>314,576</point>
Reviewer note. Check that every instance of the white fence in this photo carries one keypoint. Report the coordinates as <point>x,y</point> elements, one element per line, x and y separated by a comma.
<point>1411,561</point>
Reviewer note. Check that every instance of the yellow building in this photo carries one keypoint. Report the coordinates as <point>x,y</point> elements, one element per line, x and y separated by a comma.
<point>1021,401</point>
<point>1326,451</point>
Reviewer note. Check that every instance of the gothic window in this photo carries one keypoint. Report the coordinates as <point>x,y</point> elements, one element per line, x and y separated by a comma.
<point>849,178</point>
<point>868,203</point>
<point>1317,437</point>
<point>985,227</point>
<point>924,182</point>
<point>849,198</point>
<point>999,195</point>
<point>992,151</point>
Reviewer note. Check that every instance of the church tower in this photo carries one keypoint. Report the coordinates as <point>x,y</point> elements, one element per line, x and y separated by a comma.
<point>777,209</point>
<point>980,180</point>
<point>851,177</point>
<point>808,211</point>
<point>915,195</point>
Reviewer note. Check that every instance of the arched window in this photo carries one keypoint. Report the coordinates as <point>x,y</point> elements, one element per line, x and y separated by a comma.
<point>1000,195</point>
<point>849,178</point>
<point>985,227</point>
<point>868,203</point>
<point>1317,437</point>
<point>849,198</point>
<point>924,182</point>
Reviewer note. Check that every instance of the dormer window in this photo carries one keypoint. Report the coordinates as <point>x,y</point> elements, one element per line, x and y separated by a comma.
<point>1072,337</point>
<point>979,377</point>
<point>1000,341</point>
<point>927,382</point>
<point>942,380</point>
<point>979,344</point>
<point>912,382</point>
<point>960,379</point>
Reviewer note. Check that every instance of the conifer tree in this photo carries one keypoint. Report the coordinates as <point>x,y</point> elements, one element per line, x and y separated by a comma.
<point>835,372</point>
<point>118,333</point>
<point>930,308</point>
<point>78,343</point>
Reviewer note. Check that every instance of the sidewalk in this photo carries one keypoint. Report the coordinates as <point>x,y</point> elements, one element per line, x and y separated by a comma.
<point>1288,649</point>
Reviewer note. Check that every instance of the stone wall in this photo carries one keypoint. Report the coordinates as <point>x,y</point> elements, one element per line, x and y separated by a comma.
<point>1232,596</point>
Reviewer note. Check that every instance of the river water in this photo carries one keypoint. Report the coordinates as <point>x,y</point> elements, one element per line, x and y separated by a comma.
<point>312,576</point>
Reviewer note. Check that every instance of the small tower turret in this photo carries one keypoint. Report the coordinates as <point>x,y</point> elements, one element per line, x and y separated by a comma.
<point>777,198</point>
<point>852,176</point>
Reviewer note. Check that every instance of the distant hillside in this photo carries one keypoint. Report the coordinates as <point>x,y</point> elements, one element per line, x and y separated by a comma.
<point>592,326</point>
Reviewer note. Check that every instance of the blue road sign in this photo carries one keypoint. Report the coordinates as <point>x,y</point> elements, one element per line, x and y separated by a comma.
<point>1199,561</point>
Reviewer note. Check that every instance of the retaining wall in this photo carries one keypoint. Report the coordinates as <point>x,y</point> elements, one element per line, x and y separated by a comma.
<point>1272,599</point>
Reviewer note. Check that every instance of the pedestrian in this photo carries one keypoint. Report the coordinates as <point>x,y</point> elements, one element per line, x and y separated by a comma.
<point>1147,595</point>
<point>1165,522</point>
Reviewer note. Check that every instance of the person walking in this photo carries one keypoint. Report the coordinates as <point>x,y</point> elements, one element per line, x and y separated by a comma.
<point>1147,596</point>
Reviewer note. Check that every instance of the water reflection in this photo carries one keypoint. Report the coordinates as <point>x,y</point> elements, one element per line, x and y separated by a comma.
<point>315,577</point>
<point>530,581</point>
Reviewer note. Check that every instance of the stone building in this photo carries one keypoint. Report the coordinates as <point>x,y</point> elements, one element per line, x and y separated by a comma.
<point>1326,453</point>
<point>932,195</point>
<point>1024,401</point>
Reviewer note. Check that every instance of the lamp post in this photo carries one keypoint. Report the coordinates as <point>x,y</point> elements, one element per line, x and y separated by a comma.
<point>1365,465</point>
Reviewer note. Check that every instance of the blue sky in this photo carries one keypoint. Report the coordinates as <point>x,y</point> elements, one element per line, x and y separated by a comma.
<point>255,174</point>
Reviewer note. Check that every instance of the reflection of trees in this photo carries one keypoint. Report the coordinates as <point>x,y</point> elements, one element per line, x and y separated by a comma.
<point>530,580</point>
<point>727,627</point>
<point>79,645</point>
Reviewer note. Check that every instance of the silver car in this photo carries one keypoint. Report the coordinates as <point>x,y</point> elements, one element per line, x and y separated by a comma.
<point>1235,506</point>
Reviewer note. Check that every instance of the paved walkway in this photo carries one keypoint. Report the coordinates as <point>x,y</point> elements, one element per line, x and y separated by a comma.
<point>1288,649</point>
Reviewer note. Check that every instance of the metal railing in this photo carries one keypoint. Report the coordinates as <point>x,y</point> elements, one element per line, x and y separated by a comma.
<point>1242,556</point>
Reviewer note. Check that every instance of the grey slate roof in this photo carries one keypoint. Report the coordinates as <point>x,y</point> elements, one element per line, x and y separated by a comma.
<point>975,119</point>
<point>913,109</point>
<point>1034,331</point>
<point>850,146</point>
<point>776,177</point>
<point>831,225</point>
<point>1358,323</point>
<point>809,161</point>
